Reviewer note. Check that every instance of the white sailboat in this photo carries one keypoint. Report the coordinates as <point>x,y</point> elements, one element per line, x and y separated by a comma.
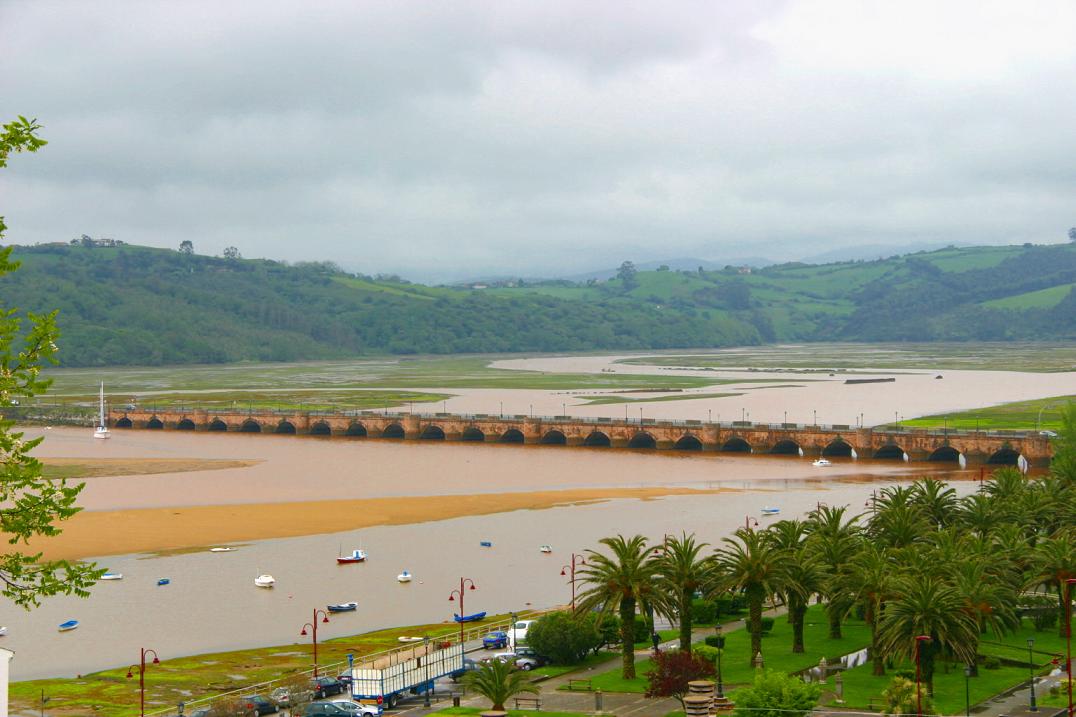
<point>101,430</point>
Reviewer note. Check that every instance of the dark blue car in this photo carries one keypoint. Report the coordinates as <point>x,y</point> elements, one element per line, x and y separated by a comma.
<point>494,640</point>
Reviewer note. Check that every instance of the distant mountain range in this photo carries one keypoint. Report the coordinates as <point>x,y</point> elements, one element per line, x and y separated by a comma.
<point>134,305</point>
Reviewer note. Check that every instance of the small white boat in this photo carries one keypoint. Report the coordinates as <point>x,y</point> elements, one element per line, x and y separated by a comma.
<point>69,625</point>
<point>545,549</point>
<point>404,638</point>
<point>101,429</point>
<point>221,550</point>
<point>3,630</point>
<point>821,462</point>
<point>357,556</point>
<point>112,576</point>
<point>265,581</point>
<point>404,577</point>
<point>770,510</point>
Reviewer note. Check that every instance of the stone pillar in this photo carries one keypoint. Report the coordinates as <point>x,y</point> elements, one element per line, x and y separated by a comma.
<point>697,705</point>
<point>412,429</point>
<point>664,445</point>
<point>575,440</point>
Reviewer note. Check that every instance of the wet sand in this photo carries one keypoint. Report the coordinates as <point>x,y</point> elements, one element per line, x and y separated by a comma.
<point>166,530</point>
<point>83,468</point>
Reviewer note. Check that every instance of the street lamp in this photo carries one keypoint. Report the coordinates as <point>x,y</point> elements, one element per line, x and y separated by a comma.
<point>452,598</point>
<point>570,569</point>
<point>1068,638</point>
<point>748,522</point>
<point>426,664</point>
<point>1031,673</point>
<point>313,625</point>
<point>141,678</point>
<point>514,620</point>
<point>919,640</point>
<point>967,690</point>
<point>720,649</point>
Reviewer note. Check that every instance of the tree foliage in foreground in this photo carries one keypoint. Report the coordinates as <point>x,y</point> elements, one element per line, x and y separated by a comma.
<point>775,694</point>
<point>673,670</point>
<point>498,682</point>
<point>31,505</point>
<point>563,637</point>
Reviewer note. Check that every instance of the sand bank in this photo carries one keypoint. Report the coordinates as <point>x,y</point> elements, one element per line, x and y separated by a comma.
<point>82,468</point>
<point>97,533</point>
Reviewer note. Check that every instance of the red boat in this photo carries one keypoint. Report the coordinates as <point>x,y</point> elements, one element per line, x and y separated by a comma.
<point>357,556</point>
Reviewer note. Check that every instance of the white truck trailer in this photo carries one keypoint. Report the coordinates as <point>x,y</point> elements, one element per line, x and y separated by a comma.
<point>386,684</point>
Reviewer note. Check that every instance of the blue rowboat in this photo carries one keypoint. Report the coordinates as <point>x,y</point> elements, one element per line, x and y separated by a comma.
<point>69,625</point>
<point>343,607</point>
<point>163,581</point>
<point>486,544</point>
<point>475,617</point>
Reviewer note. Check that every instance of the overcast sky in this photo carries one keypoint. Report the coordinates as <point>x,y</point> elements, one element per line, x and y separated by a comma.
<point>445,140</point>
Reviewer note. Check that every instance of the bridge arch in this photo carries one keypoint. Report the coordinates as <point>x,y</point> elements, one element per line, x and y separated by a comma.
<point>286,427</point>
<point>642,439</point>
<point>393,430</point>
<point>688,442</point>
<point>1004,456</point>
<point>432,432</point>
<point>218,425</point>
<point>890,451</point>
<point>735,444</point>
<point>185,424</point>
<point>839,448</point>
<point>786,447</point>
<point>512,435</point>
<point>472,433</point>
<point>321,428</point>
<point>155,424</point>
<point>597,438</point>
<point>250,426</point>
<point>356,429</point>
<point>554,438</point>
<point>945,454</point>
<point>124,423</point>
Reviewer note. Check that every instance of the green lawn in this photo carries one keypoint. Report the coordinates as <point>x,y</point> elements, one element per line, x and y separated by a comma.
<point>860,686</point>
<point>1020,415</point>
<point>1041,299</point>
<point>594,659</point>
<point>511,713</point>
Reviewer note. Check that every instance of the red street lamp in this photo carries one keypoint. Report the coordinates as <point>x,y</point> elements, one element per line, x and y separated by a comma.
<point>313,625</point>
<point>749,522</point>
<point>1068,638</point>
<point>919,640</point>
<point>570,570</point>
<point>142,677</point>
<point>465,584</point>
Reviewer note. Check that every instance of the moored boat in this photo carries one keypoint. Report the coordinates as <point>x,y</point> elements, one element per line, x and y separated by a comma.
<point>545,549</point>
<point>101,429</point>
<point>473,617</point>
<point>163,581</point>
<point>486,543</point>
<point>69,625</point>
<point>221,550</point>
<point>3,630</point>
<point>821,462</point>
<point>405,638</point>
<point>770,510</point>
<point>404,577</point>
<point>265,581</point>
<point>343,606</point>
<point>357,556</point>
<point>112,576</point>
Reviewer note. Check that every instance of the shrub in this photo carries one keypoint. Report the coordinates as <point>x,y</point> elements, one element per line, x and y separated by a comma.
<point>905,674</point>
<point>775,694</point>
<point>1044,619</point>
<point>713,641</point>
<point>672,672</point>
<point>706,651</point>
<point>900,698</point>
<point>644,628</point>
<point>767,625</point>
<point>564,638</point>
<point>703,611</point>
<point>991,663</point>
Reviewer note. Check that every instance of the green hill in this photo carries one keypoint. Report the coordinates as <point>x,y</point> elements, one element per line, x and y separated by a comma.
<point>130,305</point>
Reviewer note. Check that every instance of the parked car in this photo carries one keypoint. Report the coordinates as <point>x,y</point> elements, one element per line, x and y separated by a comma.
<point>325,686</point>
<point>345,679</point>
<point>282,697</point>
<point>258,704</point>
<point>517,633</point>
<point>495,639</point>
<point>502,656</point>
<point>468,665</point>
<point>357,709</point>
<point>326,709</point>
<point>1048,434</point>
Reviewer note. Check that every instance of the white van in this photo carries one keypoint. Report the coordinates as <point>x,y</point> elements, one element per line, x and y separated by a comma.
<point>517,633</point>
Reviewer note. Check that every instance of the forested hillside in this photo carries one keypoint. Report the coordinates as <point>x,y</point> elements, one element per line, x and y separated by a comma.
<point>129,305</point>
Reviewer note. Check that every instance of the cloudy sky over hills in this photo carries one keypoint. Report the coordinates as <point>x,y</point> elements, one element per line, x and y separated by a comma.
<point>445,140</point>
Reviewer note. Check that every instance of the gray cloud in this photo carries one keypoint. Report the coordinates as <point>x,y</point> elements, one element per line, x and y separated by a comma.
<point>462,139</point>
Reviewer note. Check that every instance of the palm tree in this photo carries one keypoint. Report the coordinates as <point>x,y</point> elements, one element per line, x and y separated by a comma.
<point>988,598</point>
<point>1052,563</point>
<point>926,606</point>
<point>805,575</point>
<point>618,583</point>
<point>835,541</point>
<point>872,579</point>
<point>751,563</point>
<point>936,500</point>
<point>498,682</point>
<point>979,514</point>
<point>680,573</point>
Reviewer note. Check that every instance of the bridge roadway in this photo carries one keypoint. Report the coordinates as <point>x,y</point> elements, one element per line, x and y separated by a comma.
<point>736,437</point>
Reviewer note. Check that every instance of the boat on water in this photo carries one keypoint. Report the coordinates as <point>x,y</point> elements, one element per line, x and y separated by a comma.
<point>265,581</point>
<point>545,549</point>
<point>343,607</point>
<point>112,576</point>
<point>69,625</point>
<point>405,638</point>
<point>821,462</point>
<point>473,617</point>
<point>770,510</point>
<point>221,550</point>
<point>404,577</point>
<point>486,543</point>
<point>3,630</point>
<point>163,581</point>
<point>357,556</point>
<point>101,429</point>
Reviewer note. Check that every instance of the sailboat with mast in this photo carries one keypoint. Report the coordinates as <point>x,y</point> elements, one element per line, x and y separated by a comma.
<point>101,430</point>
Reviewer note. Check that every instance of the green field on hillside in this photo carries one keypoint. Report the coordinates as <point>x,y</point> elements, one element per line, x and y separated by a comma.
<point>1039,414</point>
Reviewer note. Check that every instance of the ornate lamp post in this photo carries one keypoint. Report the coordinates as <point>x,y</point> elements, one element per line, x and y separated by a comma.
<point>465,584</point>
<point>919,640</point>
<point>313,625</point>
<point>720,649</point>
<point>142,677</point>
<point>967,690</point>
<point>570,570</point>
<point>1031,673</point>
<point>1068,638</point>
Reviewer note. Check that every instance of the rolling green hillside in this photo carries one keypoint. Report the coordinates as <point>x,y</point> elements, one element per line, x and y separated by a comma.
<point>132,305</point>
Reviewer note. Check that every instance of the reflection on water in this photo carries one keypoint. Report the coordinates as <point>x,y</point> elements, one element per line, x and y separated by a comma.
<point>211,602</point>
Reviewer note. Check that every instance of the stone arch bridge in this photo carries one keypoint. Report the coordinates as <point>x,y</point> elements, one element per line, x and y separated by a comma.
<point>996,447</point>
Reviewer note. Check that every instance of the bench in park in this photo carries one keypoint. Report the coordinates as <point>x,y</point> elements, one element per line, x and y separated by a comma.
<point>533,702</point>
<point>580,685</point>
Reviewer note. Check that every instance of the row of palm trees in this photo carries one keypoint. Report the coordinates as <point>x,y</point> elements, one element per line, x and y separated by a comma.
<point>918,562</point>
